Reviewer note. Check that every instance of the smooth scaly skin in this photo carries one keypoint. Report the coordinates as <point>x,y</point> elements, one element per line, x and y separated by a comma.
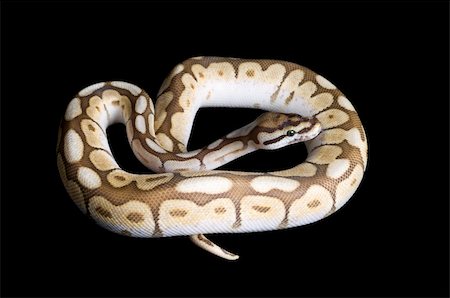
<point>198,201</point>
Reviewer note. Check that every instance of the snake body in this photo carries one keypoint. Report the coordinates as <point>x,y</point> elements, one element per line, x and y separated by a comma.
<point>187,196</point>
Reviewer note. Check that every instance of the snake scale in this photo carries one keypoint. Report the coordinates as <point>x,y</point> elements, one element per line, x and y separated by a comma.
<point>186,195</point>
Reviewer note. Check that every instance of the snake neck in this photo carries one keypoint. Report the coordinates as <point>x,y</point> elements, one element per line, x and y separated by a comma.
<point>234,145</point>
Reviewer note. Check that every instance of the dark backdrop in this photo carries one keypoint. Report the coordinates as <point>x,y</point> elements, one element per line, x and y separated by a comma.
<point>390,60</point>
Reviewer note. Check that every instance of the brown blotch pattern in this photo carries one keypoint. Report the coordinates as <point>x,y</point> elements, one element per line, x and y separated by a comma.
<point>220,210</point>
<point>313,204</point>
<point>250,73</point>
<point>103,212</point>
<point>178,213</point>
<point>119,178</point>
<point>261,209</point>
<point>135,217</point>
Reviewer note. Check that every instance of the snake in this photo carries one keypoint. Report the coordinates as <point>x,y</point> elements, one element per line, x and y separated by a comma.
<point>187,195</point>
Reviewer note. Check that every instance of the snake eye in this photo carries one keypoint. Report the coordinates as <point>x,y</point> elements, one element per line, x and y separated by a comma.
<point>290,133</point>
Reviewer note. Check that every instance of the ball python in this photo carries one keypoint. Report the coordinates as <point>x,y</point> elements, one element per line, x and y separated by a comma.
<point>186,196</point>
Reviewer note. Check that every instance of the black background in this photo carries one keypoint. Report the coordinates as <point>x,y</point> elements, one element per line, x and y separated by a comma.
<point>391,61</point>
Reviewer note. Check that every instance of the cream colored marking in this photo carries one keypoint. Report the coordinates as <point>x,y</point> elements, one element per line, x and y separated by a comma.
<point>118,106</point>
<point>265,184</point>
<point>216,158</point>
<point>176,70</point>
<point>345,103</point>
<point>119,221</point>
<point>125,101</point>
<point>73,146</point>
<point>151,106</point>
<point>140,124</point>
<point>289,85</point>
<point>188,95</point>
<point>151,124</point>
<point>324,154</point>
<point>215,144</point>
<point>320,102</point>
<point>102,160</point>
<point>141,104</point>
<point>162,103</point>
<point>337,168</point>
<point>110,95</point>
<point>332,136</point>
<point>147,182</point>
<point>149,160</point>
<point>332,118</point>
<point>189,154</point>
<point>176,165</point>
<point>354,138</point>
<point>325,83</point>
<point>88,178</point>
<point>306,90</point>
<point>155,147</point>
<point>267,136</point>
<point>337,136</point>
<point>94,134</point>
<point>223,71</point>
<point>96,110</point>
<point>209,185</point>
<point>199,72</point>
<point>347,188</point>
<point>196,219</point>
<point>303,170</point>
<point>165,141</point>
<point>135,90</point>
<point>300,213</point>
<point>179,120</point>
<point>249,71</point>
<point>119,178</point>
<point>274,74</point>
<point>252,219</point>
<point>73,109</point>
<point>88,90</point>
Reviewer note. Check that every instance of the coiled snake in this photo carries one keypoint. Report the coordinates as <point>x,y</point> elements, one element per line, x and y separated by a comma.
<point>187,196</point>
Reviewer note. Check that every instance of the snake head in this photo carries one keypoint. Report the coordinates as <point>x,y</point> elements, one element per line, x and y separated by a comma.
<point>276,130</point>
